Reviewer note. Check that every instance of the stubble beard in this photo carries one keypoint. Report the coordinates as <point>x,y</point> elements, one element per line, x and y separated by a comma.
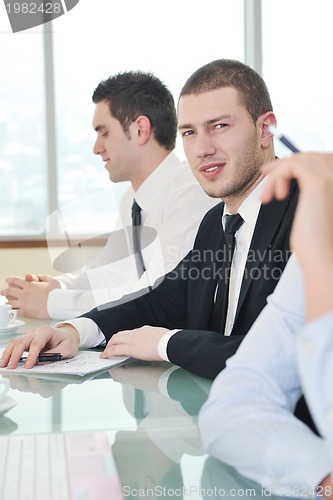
<point>247,172</point>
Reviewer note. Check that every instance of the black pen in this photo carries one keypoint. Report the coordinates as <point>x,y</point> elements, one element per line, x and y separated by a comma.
<point>274,131</point>
<point>44,358</point>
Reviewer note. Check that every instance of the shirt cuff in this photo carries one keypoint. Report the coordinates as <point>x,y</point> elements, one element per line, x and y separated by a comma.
<point>61,283</point>
<point>90,334</point>
<point>163,344</point>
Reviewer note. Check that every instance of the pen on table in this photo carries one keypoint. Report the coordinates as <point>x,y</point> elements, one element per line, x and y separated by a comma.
<point>43,358</point>
<point>274,131</point>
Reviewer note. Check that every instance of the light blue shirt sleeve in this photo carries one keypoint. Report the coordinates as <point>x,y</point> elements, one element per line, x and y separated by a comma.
<point>315,362</point>
<point>248,419</point>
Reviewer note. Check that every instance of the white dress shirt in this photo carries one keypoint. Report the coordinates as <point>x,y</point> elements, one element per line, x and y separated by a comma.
<point>248,420</point>
<point>172,204</point>
<point>249,211</point>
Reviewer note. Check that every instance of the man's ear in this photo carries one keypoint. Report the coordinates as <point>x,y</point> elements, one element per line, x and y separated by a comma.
<point>264,122</point>
<point>143,129</point>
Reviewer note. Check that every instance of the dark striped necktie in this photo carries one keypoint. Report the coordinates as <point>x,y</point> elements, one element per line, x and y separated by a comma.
<point>136,230</point>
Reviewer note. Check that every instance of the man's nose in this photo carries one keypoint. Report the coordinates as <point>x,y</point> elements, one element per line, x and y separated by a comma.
<point>204,145</point>
<point>99,147</point>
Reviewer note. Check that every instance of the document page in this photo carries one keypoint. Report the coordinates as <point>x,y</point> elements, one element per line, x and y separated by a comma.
<point>83,363</point>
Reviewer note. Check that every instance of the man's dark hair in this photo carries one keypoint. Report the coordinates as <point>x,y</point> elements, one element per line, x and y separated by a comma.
<point>251,88</point>
<point>132,94</point>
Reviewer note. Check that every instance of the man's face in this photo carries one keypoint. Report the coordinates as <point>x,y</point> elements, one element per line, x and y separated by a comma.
<point>221,142</point>
<point>115,147</point>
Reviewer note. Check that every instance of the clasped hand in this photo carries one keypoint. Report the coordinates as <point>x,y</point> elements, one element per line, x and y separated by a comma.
<point>29,296</point>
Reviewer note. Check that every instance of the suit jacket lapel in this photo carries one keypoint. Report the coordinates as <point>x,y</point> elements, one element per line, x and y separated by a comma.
<point>268,221</point>
<point>207,291</point>
<point>205,286</point>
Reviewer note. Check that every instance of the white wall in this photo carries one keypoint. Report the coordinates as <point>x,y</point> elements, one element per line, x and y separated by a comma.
<point>19,261</point>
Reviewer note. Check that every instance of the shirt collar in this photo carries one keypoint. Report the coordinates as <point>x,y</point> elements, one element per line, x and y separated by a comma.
<point>250,207</point>
<point>149,190</point>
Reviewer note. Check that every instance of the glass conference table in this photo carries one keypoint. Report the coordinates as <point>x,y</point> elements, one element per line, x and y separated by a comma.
<point>150,413</point>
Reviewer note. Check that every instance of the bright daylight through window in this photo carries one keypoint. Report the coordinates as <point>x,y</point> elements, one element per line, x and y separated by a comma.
<point>91,42</point>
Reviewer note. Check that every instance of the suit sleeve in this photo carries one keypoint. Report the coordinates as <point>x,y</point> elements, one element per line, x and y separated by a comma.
<point>202,352</point>
<point>164,306</point>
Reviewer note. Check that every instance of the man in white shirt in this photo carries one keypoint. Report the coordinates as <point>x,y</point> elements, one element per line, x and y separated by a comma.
<point>248,419</point>
<point>136,125</point>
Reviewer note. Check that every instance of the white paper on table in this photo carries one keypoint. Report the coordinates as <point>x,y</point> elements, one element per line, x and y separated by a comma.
<point>83,363</point>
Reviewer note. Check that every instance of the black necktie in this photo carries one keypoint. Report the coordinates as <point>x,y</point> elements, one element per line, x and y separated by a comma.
<point>232,224</point>
<point>136,229</point>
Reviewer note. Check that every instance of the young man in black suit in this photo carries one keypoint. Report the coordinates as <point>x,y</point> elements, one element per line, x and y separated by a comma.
<point>195,319</point>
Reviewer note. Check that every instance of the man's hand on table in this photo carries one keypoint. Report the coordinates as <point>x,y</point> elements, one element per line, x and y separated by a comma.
<point>64,340</point>
<point>141,343</point>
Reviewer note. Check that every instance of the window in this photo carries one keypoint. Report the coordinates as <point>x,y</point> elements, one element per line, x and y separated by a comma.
<point>296,40</point>
<point>92,41</point>
<point>22,135</point>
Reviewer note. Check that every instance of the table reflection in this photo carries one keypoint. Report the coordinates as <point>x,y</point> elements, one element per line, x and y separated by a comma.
<point>222,481</point>
<point>165,402</point>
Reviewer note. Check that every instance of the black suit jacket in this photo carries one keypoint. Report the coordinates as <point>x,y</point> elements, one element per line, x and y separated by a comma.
<point>184,299</point>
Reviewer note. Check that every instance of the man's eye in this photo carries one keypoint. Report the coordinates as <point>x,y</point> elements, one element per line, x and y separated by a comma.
<point>220,125</point>
<point>105,134</point>
<point>187,133</point>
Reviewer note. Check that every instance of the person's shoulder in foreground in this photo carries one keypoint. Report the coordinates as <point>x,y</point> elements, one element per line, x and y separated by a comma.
<point>248,419</point>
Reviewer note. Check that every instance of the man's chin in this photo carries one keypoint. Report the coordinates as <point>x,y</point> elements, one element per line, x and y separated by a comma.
<point>212,192</point>
<point>113,178</point>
